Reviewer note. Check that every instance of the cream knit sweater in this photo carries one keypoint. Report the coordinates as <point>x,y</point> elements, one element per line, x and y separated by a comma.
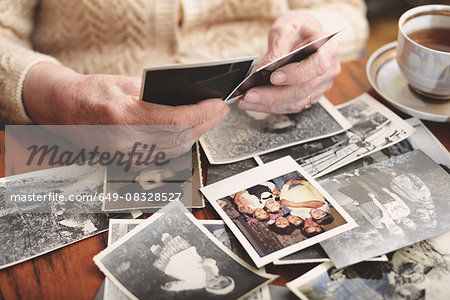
<point>124,36</point>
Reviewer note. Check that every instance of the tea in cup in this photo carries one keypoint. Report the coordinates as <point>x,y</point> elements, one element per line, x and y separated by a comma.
<point>423,50</point>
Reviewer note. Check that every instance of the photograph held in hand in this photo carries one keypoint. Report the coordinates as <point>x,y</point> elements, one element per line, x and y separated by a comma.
<point>184,84</point>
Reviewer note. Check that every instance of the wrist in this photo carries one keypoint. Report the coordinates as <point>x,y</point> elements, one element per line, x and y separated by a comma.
<point>43,91</point>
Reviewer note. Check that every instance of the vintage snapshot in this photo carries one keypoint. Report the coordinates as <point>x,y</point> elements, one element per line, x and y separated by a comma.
<point>374,127</point>
<point>226,237</point>
<point>152,188</point>
<point>175,257</point>
<point>32,228</point>
<point>276,209</point>
<point>396,202</point>
<point>216,173</point>
<point>313,254</point>
<point>419,271</point>
<point>262,75</point>
<point>183,84</point>
<point>242,134</point>
<point>421,139</point>
<point>117,229</point>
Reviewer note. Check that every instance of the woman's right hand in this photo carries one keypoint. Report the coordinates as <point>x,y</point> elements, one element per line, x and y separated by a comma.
<point>72,98</point>
<point>56,95</point>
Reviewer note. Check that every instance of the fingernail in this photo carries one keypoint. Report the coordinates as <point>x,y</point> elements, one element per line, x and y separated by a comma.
<point>278,77</point>
<point>251,97</point>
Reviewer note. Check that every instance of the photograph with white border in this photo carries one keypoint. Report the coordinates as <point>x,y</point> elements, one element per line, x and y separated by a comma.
<point>120,227</point>
<point>419,271</point>
<point>181,179</point>
<point>277,209</point>
<point>117,229</point>
<point>421,139</point>
<point>374,127</point>
<point>32,228</point>
<point>313,254</point>
<point>396,202</point>
<point>244,134</point>
<point>174,256</point>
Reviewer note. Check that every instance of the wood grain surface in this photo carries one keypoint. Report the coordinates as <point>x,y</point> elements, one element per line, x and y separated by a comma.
<point>70,273</point>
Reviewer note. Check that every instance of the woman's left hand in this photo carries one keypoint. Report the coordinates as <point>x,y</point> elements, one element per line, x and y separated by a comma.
<point>297,85</point>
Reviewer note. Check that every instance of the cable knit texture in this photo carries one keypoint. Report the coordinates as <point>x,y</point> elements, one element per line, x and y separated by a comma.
<point>125,36</point>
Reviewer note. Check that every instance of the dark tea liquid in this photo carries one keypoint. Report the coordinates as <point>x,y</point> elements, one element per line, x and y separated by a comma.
<point>433,38</point>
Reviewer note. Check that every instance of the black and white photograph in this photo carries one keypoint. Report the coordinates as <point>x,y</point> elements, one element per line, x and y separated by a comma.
<point>313,254</point>
<point>276,209</point>
<point>262,75</point>
<point>243,134</point>
<point>421,139</point>
<point>226,237</point>
<point>117,229</point>
<point>419,271</point>
<point>175,257</point>
<point>120,227</point>
<point>396,202</point>
<point>183,84</point>
<point>32,228</point>
<point>180,179</point>
<point>216,173</point>
<point>374,127</point>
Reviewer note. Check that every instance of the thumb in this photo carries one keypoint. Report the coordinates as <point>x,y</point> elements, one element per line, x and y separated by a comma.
<point>142,112</point>
<point>199,113</point>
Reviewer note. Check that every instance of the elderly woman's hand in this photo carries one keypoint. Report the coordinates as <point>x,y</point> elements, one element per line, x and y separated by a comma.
<point>54,94</point>
<point>296,85</point>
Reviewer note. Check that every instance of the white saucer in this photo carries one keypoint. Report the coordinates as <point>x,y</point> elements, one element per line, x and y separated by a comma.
<point>385,77</point>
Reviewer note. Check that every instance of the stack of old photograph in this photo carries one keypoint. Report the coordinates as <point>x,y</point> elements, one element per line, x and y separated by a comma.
<point>370,202</point>
<point>352,188</point>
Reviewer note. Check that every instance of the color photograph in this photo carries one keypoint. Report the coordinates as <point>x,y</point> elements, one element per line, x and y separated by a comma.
<point>275,216</point>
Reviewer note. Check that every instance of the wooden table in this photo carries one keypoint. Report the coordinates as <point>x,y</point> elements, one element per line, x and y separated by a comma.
<point>70,273</point>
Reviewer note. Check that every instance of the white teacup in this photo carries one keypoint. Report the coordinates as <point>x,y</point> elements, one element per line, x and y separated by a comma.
<point>426,66</point>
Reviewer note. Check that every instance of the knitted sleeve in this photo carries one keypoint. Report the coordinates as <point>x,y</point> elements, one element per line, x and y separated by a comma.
<point>338,14</point>
<point>16,57</point>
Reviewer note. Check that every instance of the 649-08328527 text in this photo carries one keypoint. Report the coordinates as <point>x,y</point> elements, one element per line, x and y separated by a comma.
<point>55,197</point>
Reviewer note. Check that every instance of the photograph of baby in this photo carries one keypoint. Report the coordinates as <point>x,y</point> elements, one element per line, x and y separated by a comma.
<point>172,256</point>
<point>278,215</point>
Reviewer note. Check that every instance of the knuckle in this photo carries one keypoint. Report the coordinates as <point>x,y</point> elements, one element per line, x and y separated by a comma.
<point>322,63</point>
<point>296,106</point>
<point>295,92</point>
<point>276,30</point>
<point>308,89</point>
<point>336,69</point>
<point>173,118</point>
<point>271,97</point>
<point>302,73</point>
<point>183,140</point>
